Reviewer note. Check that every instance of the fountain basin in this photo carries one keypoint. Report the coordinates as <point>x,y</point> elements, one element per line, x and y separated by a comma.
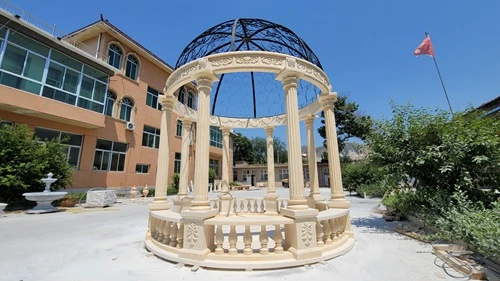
<point>2,207</point>
<point>43,201</point>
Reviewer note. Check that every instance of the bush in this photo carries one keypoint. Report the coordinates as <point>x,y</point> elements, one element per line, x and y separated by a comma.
<point>175,181</point>
<point>233,183</point>
<point>472,223</point>
<point>172,190</point>
<point>24,161</point>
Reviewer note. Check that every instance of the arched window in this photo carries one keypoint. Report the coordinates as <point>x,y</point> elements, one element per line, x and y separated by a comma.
<point>109,103</point>
<point>126,109</point>
<point>182,94</point>
<point>190,101</point>
<point>115,56</point>
<point>132,67</point>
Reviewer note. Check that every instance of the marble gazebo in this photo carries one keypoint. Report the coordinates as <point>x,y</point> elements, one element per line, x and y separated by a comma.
<point>248,233</point>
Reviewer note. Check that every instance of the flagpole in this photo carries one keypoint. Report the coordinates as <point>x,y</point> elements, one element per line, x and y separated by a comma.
<point>441,79</point>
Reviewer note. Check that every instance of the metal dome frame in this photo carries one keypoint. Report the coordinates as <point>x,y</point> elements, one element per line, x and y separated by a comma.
<point>246,35</point>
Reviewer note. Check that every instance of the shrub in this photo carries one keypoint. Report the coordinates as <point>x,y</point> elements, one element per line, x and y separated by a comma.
<point>24,161</point>
<point>172,190</point>
<point>175,181</point>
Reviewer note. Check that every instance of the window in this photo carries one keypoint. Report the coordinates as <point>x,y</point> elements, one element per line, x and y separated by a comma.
<point>235,175</point>
<point>247,176</point>
<point>72,143</point>
<point>215,137</point>
<point>178,131</point>
<point>115,56</point>
<point>214,164</point>
<point>110,103</point>
<point>263,175</point>
<point>132,67</point>
<point>142,168</point>
<point>37,69</point>
<point>109,156</point>
<point>126,109</point>
<point>190,101</point>
<point>283,173</point>
<point>306,173</point>
<point>8,123</point>
<point>177,163</point>
<point>182,94</point>
<point>151,137</point>
<point>152,98</point>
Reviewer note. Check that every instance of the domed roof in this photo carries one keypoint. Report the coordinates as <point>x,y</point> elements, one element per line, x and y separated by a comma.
<point>247,35</point>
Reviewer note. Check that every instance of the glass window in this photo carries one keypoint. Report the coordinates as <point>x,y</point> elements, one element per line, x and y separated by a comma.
<point>29,44</point>
<point>151,137</point>
<point>71,80</point>
<point>126,109</point>
<point>65,60</point>
<point>177,163</point>
<point>263,175</point>
<point>152,98</point>
<point>19,83</point>
<point>72,143</point>
<point>182,94</point>
<point>190,102</point>
<point>283,173</point>
<point>215,137</point>
<point>178,131</point>
<point>34,67</point>
<point>55,75</point>
<point>132,67</point>
<point>115,56</point>
<point>235,175</point>
<point>13,60</point>
<point>110,103</point>
<point>214,164</point>
<point>58,95</point>
<point>109,156</point>
<point>142,168</point>
<point>87,70</point>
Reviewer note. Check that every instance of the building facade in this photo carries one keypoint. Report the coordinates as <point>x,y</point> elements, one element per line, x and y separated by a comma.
<point>96,89</point>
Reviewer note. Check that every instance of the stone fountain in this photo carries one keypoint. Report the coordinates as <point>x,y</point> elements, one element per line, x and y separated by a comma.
<point>44,199</point>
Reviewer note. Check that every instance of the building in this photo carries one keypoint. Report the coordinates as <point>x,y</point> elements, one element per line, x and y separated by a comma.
<point>491,108</point>
<point>97,89</point>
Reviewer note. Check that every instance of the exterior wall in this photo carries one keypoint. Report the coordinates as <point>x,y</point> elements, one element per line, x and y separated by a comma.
<point>36,111</point>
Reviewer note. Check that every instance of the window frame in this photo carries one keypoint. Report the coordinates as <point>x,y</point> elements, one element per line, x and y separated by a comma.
<point>67,147</point>
<point>115,53</point>
<point>132,66</point>
<point>141,168</point>
<point>177,163</point>
<point>147,134</point>
<point>126,106</point>
<point>110,153</point>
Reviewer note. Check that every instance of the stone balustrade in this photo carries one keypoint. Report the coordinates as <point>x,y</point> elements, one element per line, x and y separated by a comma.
<point>247,238</point>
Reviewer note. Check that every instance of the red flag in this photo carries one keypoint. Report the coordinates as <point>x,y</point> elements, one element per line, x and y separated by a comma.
<point>425,48</point>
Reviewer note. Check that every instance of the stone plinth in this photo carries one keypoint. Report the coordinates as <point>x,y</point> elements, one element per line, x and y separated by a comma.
<point>100,198</point>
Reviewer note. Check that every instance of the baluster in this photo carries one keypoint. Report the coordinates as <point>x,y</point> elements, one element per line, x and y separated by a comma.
<point>247,239</point>
<point>319,235</point>
<point>327,231</point>
<point>262,206</point>
<point>233,238</point>
<point>173,235</point>
<point>252,206</point>
<point>180,236</point>
<point>264,238</point>
<point>235,207</point>
<point>334,223</point>
<point>166,233</point>
<point>159,235</point>
<point>152,228</point>
<point>278,239</point>
<point>242,207</point>
<point>282,205</point>
<point>219,239</point>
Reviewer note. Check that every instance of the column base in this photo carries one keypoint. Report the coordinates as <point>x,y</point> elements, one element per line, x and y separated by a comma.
<point>200,205</point>
<point>181,203</point>
<point>313,199</point>
<point>225,204</point>
<point>271,204</point>
<point>297,204</point>
<point>338,203</point>
<point>159,204</point>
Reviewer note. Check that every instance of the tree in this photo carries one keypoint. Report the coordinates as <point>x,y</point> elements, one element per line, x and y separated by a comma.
<point>242,148</point>
<point>24,161</point>
<point>259,149</point>
<point>280,151</point>
<point>461,152</point>
<point>350,123</point>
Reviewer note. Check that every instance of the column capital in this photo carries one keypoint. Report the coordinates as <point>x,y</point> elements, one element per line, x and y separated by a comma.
<point>289,78</point>
<point>309,120</point>
<point>328,100</point>
<point>269,130</point>
<point>187,120</point>
<point>225,130</point>
<point>205,80</point>
<point>167,102</point>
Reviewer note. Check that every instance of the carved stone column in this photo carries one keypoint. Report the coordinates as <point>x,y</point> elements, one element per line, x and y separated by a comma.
<point>314,195</point>
<point>160,200</point>
<point>295,170</point>
<point>184,174</point>
<point>225,196</point>
<point>337,200</point>
<point>271,196</point>
<point>204,86</point>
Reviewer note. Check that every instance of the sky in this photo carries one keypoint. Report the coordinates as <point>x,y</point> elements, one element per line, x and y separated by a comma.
<point>365,47</point>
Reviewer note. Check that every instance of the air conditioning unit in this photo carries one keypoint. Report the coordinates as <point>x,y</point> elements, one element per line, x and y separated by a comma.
<point>130,126</point>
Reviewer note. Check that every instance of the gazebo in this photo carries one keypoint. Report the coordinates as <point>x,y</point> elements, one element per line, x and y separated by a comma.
<point>248,233</point>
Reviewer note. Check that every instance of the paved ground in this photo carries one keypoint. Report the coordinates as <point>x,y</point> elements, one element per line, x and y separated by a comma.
<point>108,245</point>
